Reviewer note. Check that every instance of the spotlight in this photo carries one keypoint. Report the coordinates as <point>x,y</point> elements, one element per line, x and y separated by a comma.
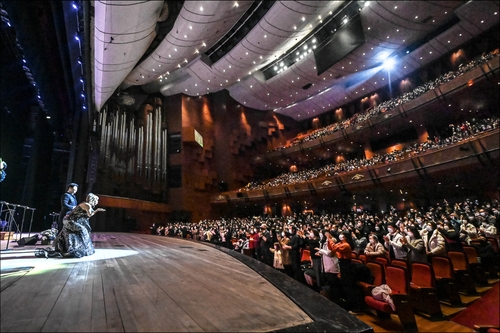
<point>389,63</point>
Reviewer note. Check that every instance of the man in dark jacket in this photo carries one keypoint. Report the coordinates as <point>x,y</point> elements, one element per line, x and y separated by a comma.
<point>68,202</point>
<point>296,243</point>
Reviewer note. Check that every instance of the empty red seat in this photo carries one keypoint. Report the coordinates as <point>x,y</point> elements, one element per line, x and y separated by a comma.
<point>462,271</point>
<point>396,279</point>
<point>423,291</point>
<point>446,284</point>
<point>378,277</point>
<point>476,269</point>
<point>362,257</point>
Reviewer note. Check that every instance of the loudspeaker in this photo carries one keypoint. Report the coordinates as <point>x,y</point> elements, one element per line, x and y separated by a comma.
<point>27,241</point>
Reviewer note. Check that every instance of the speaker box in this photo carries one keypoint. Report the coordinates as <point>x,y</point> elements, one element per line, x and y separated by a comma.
<point>27,241</point>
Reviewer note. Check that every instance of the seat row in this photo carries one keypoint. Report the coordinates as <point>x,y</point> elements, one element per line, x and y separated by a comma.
<point>421,287</point>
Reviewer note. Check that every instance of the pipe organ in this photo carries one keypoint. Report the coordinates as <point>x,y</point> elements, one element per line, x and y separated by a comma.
<point>134,147</point>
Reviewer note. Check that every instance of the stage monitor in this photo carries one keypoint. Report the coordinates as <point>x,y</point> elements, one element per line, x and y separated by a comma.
<point>340,44</point>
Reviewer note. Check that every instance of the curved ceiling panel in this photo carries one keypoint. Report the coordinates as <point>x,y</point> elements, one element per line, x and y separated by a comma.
<point>285,23</point>
<point>122,33</point>
<point>413,32</point>
<point>198,27</point>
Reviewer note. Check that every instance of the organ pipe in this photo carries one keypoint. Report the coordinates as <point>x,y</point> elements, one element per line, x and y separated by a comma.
<point>133,147</point>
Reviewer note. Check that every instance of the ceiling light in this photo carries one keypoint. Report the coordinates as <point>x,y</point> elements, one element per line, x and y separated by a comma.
<point>203,44</point>
<point>201,9</point>
<point>236,4</point>
<point>265,36</point>
<point>303,18</point>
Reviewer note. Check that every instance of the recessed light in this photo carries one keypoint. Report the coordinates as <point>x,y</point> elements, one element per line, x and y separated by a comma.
<point>201,9</point>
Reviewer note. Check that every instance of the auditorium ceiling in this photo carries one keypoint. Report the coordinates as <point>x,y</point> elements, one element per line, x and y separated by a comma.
<point>296,58</point>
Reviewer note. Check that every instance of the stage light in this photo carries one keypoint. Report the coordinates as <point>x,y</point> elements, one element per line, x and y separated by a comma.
<point>389,63</point>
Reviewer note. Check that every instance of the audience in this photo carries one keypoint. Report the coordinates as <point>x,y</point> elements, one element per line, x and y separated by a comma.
<point>459,132</point>
<point>413,235</point>
<point>290,235</point>
<point>390,104</point>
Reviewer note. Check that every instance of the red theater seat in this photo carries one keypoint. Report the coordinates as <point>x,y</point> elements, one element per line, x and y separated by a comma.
<point>446,284</point>
<point>462,271</point>
<point>423,293</point>
<point>396,279</point>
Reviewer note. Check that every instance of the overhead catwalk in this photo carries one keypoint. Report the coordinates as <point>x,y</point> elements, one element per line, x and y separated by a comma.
<point>139,283</point>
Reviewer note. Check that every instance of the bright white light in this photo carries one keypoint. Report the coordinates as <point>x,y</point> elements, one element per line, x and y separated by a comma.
<point>389,63</point>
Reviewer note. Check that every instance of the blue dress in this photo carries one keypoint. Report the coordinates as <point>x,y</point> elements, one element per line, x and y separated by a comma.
<point>74,240</point>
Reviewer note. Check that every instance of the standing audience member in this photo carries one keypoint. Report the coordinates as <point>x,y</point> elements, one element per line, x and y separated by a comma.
<point>313,243</point>
<point>435,245</point>
<point>393,243</point>
<point>329,260</point>
<point>414,244</point>
<point>284,240</point>
<point>451,234</point>
<point>266,243</point>
<point>468,231</point>
<point>294,247</point>
<point>374,248</point>
<point>278,257</point>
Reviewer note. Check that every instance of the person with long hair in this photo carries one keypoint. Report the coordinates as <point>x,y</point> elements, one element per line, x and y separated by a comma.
<point>74,241</point>
<point>415,245</point>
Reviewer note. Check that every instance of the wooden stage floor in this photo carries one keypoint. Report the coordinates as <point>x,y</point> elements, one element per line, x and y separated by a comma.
<point>146,283</point>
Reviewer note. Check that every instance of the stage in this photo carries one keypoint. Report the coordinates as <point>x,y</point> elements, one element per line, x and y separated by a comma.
<point>139,283</point>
